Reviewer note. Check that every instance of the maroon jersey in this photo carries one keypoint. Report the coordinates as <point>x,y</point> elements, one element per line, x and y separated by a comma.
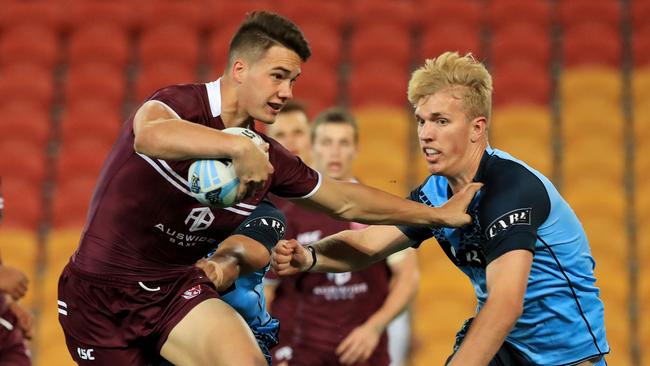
<point>143,223</point>
<point>325,307</point>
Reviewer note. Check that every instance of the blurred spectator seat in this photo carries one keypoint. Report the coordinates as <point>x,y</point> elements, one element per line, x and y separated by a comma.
<point>162,74</point>
<point>99,43</point>
<point>169,43</point>
<point>96,80</point>
<point>592,43</point>
<point>29,43</point>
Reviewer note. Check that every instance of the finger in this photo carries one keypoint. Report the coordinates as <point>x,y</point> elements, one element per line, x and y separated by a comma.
<point>265,147</point>
<point>241,192</point>
<point>343,346</point>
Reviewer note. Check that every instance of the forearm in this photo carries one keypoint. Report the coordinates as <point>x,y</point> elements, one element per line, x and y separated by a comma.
<point>176,139</point>
<point>360,203</point>
<point>487,333</point>
<point>343,252</point>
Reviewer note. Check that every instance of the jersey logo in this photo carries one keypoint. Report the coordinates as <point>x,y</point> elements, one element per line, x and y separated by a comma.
<point>520,216</point>
<point>340,279</point>
<point>192,292</point>
<point>268,221</point>
<point>201,218</point>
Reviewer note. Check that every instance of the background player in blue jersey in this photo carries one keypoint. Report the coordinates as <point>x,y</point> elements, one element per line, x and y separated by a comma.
<point>525,253</point>
<point>238,266</point>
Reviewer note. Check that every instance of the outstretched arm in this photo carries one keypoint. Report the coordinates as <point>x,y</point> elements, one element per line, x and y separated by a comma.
<point>360,203</point>
<point>346,251</point>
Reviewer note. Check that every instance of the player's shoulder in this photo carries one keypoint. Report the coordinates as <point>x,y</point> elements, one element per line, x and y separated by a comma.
<point>504,175</point>
<point>504,169</point>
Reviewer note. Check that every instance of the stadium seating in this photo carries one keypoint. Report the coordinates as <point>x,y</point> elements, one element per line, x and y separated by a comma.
<point>576,12</point>
<point>99,43</point>
<point>17,46</point>
<point>592,44</point>
<point>187,14</point>
<point>368,45</point>
<point>47,14</point>
<point>367,13</point>
<point>505,13</point>
<point>162,74</point>
<point>324,13</point>
<point>169,43</point>
<point>463,14</point>
<point>26,81</point>
<point>521,42</point>
<point>97,81</point>
<point>521,82</point>
<point>82,14</point>
<point>436,39</point>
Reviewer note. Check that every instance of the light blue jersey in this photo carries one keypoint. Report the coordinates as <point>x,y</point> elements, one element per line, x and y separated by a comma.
<point>249,301</point>
<point>518,208</point>
<point>266,225</point>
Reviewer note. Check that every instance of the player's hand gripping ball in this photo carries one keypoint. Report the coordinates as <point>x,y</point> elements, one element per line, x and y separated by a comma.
<point>214,182</point>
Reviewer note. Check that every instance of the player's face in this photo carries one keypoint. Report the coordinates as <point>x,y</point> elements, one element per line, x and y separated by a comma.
<point>268,83</point>
<point>334,150</point>
<point>443,132</point>
<point>291,129</point>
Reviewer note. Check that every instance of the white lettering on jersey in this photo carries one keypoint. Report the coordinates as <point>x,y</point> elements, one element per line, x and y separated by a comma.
<point>520,216</point>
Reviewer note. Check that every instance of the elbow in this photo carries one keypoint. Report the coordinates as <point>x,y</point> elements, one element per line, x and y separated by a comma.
<point>143,142</point>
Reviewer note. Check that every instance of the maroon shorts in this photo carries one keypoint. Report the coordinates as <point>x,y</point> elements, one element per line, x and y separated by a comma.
<point>13,351</point>
<point>114,322</point>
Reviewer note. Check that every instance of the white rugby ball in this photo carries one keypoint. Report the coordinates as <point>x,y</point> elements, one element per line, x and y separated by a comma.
<point>214,182</point>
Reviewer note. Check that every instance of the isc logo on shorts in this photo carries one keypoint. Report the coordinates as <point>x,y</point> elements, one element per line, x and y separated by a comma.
<point>192,292</point>
<point>86,354</point>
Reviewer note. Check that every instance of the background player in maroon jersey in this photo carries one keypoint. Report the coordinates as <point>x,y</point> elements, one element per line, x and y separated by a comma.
<point>291,129</point>
<point>131,290</point>
<point>330,319</point>
<point>16,323</point>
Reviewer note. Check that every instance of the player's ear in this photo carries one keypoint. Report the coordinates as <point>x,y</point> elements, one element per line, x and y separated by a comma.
<point>238,69</point>
<point>479,127</point>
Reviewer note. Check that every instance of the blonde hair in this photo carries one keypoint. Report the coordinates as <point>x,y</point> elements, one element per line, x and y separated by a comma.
<point>452,70</point>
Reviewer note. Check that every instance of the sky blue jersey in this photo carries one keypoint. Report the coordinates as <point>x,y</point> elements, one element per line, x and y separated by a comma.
<point>518,208</point>
<point>266,224</point>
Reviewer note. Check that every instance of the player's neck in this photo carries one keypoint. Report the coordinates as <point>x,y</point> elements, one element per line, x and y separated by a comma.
<point>470,165</point>
<point>231,115</point>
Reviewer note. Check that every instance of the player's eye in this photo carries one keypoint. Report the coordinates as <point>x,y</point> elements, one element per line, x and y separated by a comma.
<point>277,76</point>
<point>442,121</point>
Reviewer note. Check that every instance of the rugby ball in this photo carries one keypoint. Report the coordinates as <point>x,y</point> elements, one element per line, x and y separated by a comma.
<point>214,182</point>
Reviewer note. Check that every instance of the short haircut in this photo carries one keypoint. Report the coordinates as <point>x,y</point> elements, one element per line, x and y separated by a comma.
<point>335,115</point>
<point>452,70</point>
<point>262,30</point>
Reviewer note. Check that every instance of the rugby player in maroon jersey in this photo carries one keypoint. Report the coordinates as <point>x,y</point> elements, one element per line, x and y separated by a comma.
<point>131,291</point>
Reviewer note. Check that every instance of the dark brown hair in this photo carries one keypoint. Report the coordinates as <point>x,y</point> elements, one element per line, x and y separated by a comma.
<point>261,30</point>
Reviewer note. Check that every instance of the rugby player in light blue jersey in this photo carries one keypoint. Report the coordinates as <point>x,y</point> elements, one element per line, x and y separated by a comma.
<point>238,265</point>
<point>525,252</point>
